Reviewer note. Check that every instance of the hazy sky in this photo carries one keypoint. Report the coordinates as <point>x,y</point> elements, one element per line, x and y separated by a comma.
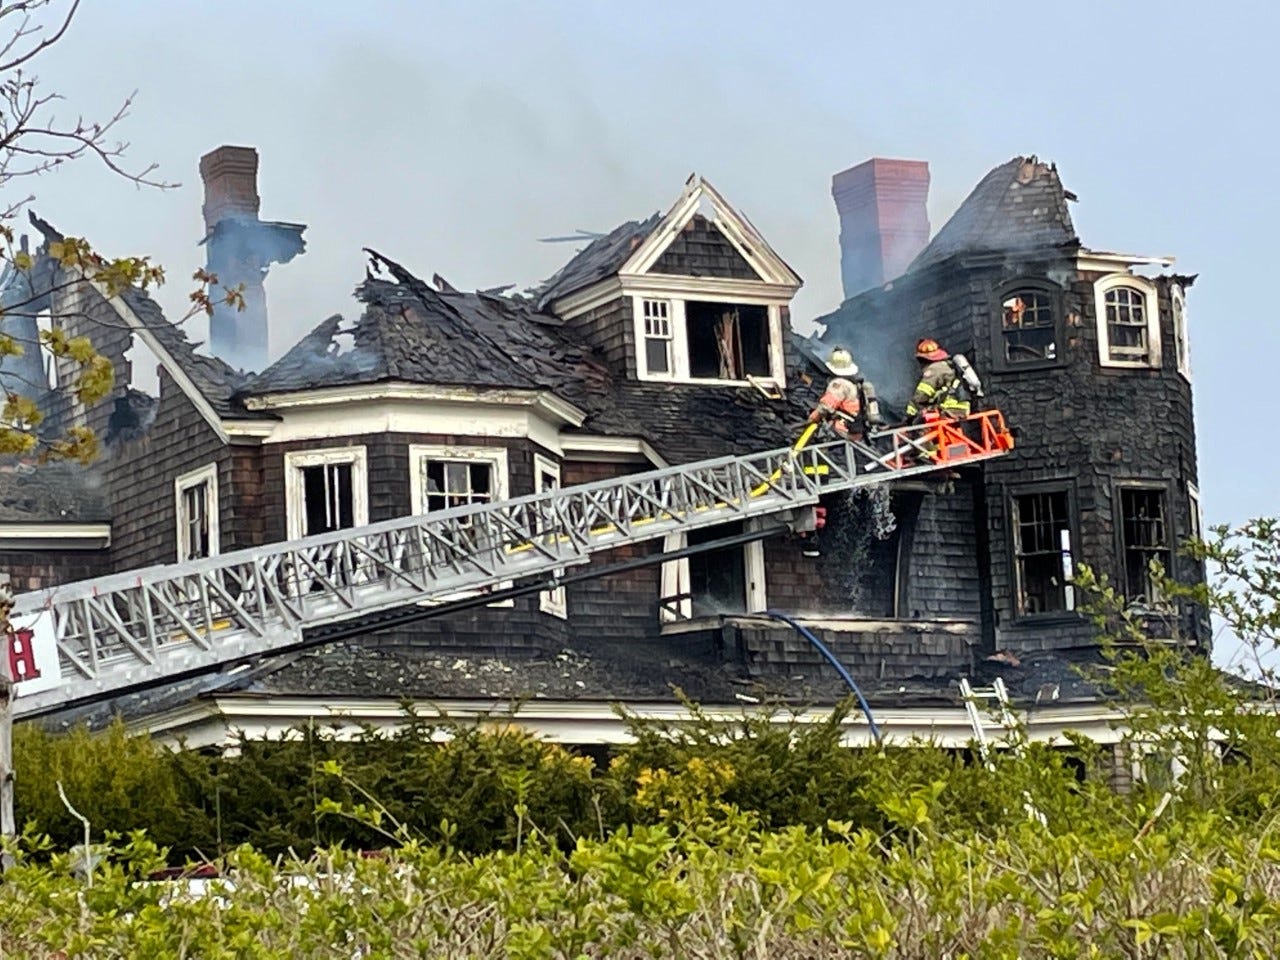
<point>451,136</point>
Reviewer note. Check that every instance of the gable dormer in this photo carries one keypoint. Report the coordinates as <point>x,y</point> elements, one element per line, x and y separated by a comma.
<point>695,296</point>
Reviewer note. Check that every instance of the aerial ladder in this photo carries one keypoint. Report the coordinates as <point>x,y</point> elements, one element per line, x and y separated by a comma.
<point>96,639</point>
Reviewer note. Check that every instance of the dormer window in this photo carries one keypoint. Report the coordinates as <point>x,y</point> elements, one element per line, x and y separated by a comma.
<point>708,341</point>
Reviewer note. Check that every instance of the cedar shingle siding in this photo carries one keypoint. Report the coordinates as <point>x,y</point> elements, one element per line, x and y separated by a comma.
<point>925,601</point>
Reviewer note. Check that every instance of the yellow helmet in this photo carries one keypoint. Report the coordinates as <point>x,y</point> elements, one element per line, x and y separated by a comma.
<point>841,363</point>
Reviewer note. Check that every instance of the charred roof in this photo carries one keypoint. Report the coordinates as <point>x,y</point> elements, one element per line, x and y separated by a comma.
<point>1019,206</point>
<point>55,492</point>
<point>599,259</point>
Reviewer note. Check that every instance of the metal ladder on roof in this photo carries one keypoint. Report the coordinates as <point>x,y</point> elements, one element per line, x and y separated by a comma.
<point>147,626</point>
<point>972,696</point>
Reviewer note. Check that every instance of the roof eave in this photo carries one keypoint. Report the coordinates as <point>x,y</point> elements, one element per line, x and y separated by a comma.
<point>543,400</point>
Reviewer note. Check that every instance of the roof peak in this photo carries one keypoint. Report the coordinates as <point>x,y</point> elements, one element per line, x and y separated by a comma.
<point>1019,205</point>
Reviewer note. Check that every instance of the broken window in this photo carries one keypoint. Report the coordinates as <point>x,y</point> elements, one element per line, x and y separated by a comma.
<point>1145,538</point>
<point>328,498</point>
<point>197,513</point>
<point>1127,333</point>
<point>1028,327</point>
<point>727,341</point>
<point>657,335</point>
<point>1042,547</point>
<point>195,521</point>
<point>717,578</point>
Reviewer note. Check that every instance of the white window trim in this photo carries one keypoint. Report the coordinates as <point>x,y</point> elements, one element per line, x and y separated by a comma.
<point>675,576</point>
<point>680,343</point>
<point>208,474</point>
<point>1197,510</point>
<point>498,457</point>
<point>555,601</point>
<point>294,462</point>
<point>1181,333</point>
<point>1152,307</point>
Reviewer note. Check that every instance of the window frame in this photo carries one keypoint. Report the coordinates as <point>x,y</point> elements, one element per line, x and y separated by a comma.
<point>295,499</point>
<point>1165,490</point>
<point>679,342</point>
<point>1012,495</point>
<point>499,457</point>
<point>675,581</point>
<point>1151,305</point>
<point>208,475</point>
<point>1056,303</point>
<point>1181,332</point>
<point>556,600</point>
<point>1196,512</point>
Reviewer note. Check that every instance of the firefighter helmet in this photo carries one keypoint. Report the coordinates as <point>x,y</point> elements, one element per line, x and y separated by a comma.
<point>841,363</point>
<point>928,349</point>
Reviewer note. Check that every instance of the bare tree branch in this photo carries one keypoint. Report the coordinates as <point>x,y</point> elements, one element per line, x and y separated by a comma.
<point>43,44</point>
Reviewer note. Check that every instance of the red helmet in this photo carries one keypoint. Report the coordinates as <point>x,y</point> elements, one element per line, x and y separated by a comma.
<point>928,349</point>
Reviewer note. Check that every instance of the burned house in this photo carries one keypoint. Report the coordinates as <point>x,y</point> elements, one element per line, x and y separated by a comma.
<point>665,341</point>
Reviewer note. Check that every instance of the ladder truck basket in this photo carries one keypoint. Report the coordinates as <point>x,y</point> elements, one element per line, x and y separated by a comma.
<point>946,441</point>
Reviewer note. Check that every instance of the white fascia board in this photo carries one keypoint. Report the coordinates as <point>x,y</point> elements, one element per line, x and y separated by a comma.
<point>749,242</point>
<point>74,536</point>
<point>352,418</point>
<point>248,430</point>
<point>559,408</point>
<point>544,400</point>
<point>583,722</point>
<point>1104,261</point>
<point>710,288</point>
<point>737,230</point>
<point>575,444</point>
<point>647,253</point>
<point>588,298</point>
<point>185,384</point>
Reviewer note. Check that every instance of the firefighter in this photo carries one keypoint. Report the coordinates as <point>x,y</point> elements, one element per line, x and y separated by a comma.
<point>849,402</point>
<point>944,384</point>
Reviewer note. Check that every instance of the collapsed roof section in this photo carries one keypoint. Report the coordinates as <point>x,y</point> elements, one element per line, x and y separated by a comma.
<point>51,493</point>
<point>601,258</point>
<point>1019,206</point>
<point>412,333</point>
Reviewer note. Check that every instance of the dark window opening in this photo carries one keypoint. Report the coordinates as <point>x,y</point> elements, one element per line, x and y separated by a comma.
<point>1027,324</point>
<point>717,578</point>
<point>1042,543</point>
<point>727,341</point>
<point>1145,539</point>
<point>1126,324</point>
<point>457,483</point>
<point>328,499</point>
<point>195,521</point>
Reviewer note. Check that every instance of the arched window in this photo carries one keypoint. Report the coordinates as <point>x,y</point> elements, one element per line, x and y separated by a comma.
<point>1128,322</point>
<point>1028,327</point>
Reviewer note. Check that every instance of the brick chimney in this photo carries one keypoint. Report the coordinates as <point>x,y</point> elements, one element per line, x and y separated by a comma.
<point>230,176</point>
<point>884,221</point>
<point>239,249</point>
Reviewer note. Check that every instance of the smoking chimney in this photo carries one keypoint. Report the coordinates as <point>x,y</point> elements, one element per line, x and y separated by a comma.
<point>239,249</point>
<point>884,222</point>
